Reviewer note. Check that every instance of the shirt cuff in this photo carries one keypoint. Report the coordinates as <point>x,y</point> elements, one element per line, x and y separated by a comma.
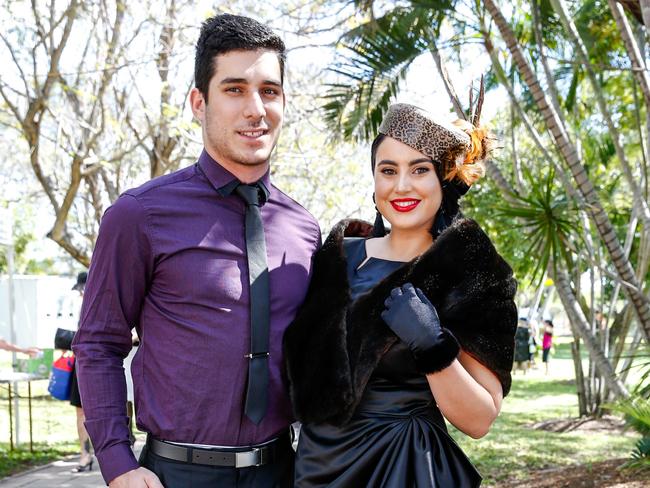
<point>116,460</point>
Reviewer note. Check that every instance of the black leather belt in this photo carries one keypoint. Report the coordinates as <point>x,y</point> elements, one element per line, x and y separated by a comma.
<point>235,457</point>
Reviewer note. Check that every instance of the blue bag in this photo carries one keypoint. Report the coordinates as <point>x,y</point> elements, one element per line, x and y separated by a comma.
<point>61,377</point>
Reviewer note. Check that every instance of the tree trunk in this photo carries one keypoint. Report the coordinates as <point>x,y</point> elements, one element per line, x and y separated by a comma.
<point>580,377</point>
<point>580,327</point>
<point>569,153</point>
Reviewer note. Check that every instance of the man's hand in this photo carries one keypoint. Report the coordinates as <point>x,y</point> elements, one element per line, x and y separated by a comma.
<point>136,478</point>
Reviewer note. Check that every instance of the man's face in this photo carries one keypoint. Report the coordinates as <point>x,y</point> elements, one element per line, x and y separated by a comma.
<point>242,118</point>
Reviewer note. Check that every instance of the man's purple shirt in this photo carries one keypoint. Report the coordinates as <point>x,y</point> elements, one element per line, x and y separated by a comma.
<point>170,260</point>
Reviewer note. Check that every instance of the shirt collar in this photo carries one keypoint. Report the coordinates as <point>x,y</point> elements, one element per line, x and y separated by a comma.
<point>223,180</point>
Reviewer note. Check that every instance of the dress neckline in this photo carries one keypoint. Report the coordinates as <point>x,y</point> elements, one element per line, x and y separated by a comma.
<point>365,259</point>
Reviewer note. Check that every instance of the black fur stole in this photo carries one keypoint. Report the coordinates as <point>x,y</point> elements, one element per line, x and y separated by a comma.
<point>332,347</point>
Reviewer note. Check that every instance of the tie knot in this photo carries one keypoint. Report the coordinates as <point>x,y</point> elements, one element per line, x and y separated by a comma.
<point>251,194</point>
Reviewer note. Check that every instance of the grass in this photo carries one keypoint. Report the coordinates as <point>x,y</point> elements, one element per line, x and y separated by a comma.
<point>54,430</point>
<point>18,460</point>
<point>54,427</point>
<point>513,448</point>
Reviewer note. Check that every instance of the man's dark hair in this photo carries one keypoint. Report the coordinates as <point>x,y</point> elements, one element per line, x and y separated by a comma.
<point>226,32</point>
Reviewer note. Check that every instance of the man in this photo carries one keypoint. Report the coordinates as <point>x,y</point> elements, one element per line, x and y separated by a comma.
<point>180,260</point>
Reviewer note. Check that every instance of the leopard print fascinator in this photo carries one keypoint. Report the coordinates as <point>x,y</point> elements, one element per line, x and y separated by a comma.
<point>438,139</point>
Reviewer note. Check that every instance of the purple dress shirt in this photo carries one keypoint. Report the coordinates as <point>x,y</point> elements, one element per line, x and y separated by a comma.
<point>170,260</point>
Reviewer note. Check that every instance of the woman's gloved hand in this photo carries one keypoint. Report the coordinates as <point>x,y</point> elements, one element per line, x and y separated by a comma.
<point>413,319</point>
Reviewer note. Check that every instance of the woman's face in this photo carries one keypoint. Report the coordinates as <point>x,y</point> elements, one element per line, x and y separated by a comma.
<point>407,190</point>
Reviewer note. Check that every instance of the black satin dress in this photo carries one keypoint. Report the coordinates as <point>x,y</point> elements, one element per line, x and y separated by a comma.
<point>397,437</point>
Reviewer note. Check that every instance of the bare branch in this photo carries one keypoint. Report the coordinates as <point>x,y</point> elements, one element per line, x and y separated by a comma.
<point>70,16</point>
<point>12,52</point>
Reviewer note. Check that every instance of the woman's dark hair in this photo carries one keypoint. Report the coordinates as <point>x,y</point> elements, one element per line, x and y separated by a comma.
<point>449,208</point>
<point>226,32</point>
<point>373,150</point>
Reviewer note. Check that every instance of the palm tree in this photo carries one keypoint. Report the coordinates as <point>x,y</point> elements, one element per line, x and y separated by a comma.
<point>569,153</point>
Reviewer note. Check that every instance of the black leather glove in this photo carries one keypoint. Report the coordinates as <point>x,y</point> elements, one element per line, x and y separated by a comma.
<point>413,319</point>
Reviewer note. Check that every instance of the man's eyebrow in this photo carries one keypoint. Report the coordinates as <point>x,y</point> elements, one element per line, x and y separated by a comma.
<point>244,81</point>
<point>227,81</point>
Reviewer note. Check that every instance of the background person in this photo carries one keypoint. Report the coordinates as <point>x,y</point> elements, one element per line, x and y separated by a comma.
<point>547,342</point>
<point>32,352</point>
<point>85,446</point>
<point>522,345</point>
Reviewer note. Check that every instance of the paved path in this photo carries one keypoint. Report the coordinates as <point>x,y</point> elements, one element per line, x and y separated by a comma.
<point>58,475</point>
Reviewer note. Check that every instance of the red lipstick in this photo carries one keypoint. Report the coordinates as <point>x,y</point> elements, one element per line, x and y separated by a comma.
<point>404,204</point>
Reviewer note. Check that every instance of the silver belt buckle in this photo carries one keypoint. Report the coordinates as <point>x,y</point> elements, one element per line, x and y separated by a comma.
<point>248,458</point>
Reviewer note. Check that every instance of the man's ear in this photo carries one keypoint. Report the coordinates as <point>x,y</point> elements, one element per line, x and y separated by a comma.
<point>197,103</point>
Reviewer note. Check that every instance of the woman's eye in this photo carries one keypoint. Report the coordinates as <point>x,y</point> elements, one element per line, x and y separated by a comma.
<point>421,170</point>
<point>388,171</point>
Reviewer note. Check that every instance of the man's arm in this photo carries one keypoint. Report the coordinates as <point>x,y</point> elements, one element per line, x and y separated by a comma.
<point>118,279</point>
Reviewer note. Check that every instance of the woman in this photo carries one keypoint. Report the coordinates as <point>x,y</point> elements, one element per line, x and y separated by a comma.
<point>402,329</point>
<point>547,342</point>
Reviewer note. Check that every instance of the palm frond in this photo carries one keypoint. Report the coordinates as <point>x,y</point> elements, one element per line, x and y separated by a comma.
<point>375,59</point>
<point>636,411</point>
<point>546,221</point>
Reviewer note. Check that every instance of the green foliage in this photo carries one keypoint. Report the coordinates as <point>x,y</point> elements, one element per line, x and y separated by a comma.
<point>643,387</point>
<point>374,60</point>
<point>21,240</point>
<point>637,416</point>
<point>546,223</point>
<point>23,236</point>
<point>479,204</point>
<point>636,411</point>
<point>514,448</point>
<point>12,462</point>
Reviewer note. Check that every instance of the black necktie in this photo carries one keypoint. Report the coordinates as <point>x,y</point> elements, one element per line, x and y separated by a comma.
<point>258,276</point>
